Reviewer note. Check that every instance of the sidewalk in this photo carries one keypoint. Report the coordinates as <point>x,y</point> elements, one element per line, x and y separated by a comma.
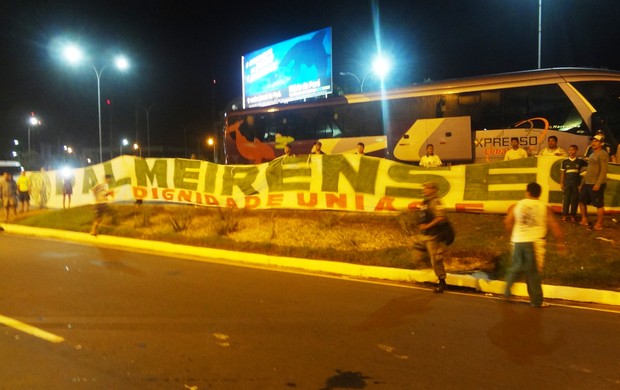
<point>319,266</point>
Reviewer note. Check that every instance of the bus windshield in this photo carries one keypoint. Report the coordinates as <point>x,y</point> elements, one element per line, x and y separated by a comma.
<point>605,98</point>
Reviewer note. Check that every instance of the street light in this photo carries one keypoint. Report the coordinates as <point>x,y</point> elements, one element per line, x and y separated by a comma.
<point>124,142</point>
<point>136,147</point>
<point>32,121</point>
<point>380,67</point>
<point>211,144</point>
<point>74,55</point>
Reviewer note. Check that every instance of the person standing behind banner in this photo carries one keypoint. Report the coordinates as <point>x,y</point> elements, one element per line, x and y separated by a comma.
<point>23,191</point>
<point>102,193</point>
<point>527,220</point>
<point>360,148</point>
<point>515,152</point>
<point>67,190</point>
<point>552,148</point>
<point>316,149</point>
<point>570,181</point>
<point>430,160</point>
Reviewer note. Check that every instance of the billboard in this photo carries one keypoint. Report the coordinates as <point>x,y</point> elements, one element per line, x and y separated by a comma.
<point>295,69</point>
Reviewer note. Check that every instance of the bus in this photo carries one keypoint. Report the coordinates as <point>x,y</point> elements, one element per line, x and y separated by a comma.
<point>12,167</point>
<point>469,120</point>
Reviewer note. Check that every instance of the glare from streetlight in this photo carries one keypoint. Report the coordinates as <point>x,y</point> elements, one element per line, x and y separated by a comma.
<point>210,141</point>
<point>73,54</point>
<point>381,66</point>
<point>33,121</point>
<point>121,62</point>
<point>125,142</point>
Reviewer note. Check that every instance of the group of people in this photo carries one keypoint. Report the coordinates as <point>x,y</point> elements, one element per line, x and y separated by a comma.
<point>317,148</point>
<point>529,220</point>
<point>13,192</point>
<point>578,192</point>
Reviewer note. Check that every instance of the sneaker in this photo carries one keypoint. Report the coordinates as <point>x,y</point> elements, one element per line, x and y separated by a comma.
<point>540,306</point>
<point>441,286</point>
<point>563,219</point>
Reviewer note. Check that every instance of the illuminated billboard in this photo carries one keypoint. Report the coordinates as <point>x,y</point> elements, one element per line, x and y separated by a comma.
<point>295,69</point>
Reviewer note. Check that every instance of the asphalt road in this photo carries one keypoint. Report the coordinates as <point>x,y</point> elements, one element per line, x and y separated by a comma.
<point>121,320</point>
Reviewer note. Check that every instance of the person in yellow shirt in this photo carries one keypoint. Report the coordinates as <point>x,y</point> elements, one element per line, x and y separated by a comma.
<point>23,191</point>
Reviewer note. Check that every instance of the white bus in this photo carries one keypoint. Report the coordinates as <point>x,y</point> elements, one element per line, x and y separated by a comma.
<point>12,167</point>
<point>467,120</point>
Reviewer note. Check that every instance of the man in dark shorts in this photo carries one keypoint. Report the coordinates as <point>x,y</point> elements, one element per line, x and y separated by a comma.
<point>23,191</point>
<point>593,188</point>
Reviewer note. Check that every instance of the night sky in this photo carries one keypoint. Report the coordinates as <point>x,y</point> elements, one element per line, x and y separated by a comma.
<point>178,48</point>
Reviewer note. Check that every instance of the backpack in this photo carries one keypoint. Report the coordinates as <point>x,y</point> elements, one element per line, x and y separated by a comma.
<point>446,232</point>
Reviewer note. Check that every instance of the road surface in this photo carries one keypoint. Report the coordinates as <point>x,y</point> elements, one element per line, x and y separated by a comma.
<point>77,316</point>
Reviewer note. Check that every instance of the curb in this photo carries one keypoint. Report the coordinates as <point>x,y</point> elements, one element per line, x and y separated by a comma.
<point>574,294</point>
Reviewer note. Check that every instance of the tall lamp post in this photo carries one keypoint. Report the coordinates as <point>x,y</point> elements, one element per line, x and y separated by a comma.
<point>74,55</point>
<point>148,132</point>
<point>539,30</point>
<point>32,121</point>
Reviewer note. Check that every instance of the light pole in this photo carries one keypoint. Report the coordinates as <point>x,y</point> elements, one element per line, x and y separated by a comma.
<point>74,55</point>
<point>32,121</point>
<point>148,132</point>
<point>539,30</point>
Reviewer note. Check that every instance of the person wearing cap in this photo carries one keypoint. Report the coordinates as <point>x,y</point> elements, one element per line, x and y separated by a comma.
<point>605,146</point>
<point>527,222</point>
<point>427,242</point>
<point>594,183</point>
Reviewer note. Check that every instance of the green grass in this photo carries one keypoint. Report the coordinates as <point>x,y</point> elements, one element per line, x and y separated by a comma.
<point>482,244</point>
